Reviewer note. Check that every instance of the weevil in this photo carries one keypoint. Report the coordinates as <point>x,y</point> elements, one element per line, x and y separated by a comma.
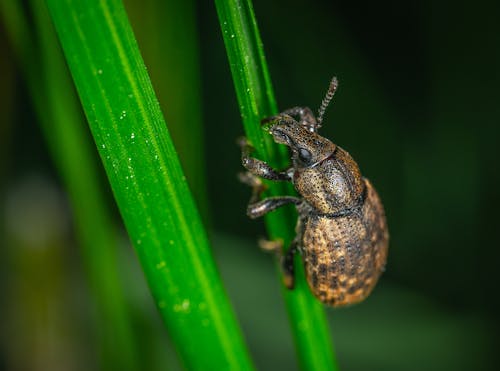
<point>341,230</point>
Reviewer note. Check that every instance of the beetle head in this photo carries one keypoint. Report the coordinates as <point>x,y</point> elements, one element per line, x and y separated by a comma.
<point>308,148</point>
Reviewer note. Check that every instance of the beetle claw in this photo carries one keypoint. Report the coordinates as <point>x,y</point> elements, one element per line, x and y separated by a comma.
<point>267,120</point>
<point>242,142</point>
<point>275,246</point>
<point>251,180</point>
<point>288,280</point>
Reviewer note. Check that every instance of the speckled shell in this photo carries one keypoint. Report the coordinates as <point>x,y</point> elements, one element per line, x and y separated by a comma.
<point>344,256</point>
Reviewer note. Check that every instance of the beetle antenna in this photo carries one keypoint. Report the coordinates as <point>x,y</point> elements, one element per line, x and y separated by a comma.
<point>326,100</point>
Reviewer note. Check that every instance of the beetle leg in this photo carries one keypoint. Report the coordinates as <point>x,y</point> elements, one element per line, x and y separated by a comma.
<point>282,118</point>
<point>258,167</point>
<point>286,260</point>
<point>304,114</point>
<point>253,181</point>
<point>256,206</point>
<point>288,266</point>
<point>259,208</point>
<point>274,246</point>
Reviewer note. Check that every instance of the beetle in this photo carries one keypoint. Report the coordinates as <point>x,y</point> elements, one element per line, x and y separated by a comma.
<point>341,230</point>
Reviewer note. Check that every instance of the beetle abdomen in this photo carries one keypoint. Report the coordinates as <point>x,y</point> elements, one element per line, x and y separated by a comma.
<point>344,256</point>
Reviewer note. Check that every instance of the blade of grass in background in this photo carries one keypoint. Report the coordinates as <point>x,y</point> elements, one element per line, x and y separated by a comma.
<point>7,87</point>
<point>256,100</point>
<point>64,130</point>
<point>148,183</point>
<point>37,332</point>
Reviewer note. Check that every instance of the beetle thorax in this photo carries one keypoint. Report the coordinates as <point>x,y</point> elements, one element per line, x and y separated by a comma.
<point>334,185</point>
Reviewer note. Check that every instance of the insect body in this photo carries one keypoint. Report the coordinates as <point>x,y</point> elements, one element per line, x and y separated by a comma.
<point>341,230</point>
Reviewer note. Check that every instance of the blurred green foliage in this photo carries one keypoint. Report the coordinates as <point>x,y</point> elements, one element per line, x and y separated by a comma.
<point>417,108</point>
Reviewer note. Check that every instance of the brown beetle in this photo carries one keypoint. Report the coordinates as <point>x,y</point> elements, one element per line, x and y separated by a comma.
<point>341,230</point>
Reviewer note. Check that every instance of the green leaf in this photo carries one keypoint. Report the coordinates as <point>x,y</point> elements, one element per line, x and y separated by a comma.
<point>148,183</point>
<point>256,101</point>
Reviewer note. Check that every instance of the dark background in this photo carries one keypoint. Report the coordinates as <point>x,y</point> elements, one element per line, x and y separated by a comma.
<point>418,109</point>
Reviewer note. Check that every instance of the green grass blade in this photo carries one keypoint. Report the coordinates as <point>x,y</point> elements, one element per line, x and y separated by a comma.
<point>148,183</point>
<point>61,121</point>
<point>256,100</point>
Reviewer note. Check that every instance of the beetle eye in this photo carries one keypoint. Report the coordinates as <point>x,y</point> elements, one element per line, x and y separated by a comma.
<point>304,156</point>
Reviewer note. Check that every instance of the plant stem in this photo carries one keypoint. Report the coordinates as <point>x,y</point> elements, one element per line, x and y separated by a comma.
<point>148,184</point>
<point>256,100</point>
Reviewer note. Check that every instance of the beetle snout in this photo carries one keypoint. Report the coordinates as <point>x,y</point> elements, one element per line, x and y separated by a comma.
<point>288,134</point>
<point>280,134</point>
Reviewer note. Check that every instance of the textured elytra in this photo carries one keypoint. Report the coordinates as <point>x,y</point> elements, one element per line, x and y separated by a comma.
<point>344,256</point>
<point>341,231</point>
